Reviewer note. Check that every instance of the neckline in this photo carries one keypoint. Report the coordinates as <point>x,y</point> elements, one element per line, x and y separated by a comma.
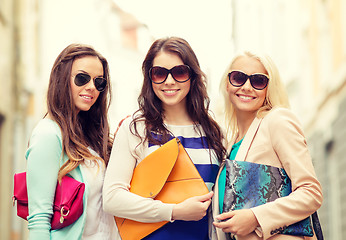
<point>188,125</point>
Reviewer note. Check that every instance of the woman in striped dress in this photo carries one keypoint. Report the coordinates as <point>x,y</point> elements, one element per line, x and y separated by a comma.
<point>173,103</point>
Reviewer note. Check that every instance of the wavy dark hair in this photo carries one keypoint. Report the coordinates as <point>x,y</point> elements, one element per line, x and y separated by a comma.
<point>197,101</point>
<point>80,129</point>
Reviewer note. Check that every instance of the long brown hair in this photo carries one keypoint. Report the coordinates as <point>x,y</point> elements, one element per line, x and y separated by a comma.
<point>82,129</point>
<point>197,100</point>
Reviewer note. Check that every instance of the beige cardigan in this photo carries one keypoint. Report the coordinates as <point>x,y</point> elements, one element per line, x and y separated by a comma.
<point>278,140</point>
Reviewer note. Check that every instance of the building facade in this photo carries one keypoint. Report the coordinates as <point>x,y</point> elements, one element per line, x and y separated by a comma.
<point>11,107</point>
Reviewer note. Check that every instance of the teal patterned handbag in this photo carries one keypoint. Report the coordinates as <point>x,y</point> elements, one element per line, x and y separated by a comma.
<point>251,184</point>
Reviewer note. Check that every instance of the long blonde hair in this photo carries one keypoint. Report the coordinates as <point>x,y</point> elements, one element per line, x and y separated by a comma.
<point>276,94</point>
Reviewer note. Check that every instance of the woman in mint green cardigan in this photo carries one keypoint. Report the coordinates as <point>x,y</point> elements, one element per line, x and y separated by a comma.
<point>72,139</point>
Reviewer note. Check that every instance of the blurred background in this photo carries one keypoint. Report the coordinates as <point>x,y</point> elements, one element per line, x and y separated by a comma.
<point>306,39</point>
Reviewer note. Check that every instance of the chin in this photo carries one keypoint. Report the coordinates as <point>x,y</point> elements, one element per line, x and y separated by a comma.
<point>84,109</point>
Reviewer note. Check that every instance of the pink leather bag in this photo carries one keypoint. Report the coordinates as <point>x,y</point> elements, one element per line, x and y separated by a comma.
<point>68,201</point>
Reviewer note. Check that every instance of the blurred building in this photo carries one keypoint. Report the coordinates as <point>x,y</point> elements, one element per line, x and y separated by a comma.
<point>307,40</point>
<point>9,107</point>
<point>326,118</point>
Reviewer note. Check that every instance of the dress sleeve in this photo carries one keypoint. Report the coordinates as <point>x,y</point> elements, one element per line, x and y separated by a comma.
<point>43,163</point>
<point>289,144</point>
<point>117,199</point>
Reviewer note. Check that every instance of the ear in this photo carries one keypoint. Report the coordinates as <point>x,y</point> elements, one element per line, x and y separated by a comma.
<point>227,86</point>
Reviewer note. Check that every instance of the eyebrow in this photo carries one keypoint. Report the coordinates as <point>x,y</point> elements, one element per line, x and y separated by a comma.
<point>82,71</point>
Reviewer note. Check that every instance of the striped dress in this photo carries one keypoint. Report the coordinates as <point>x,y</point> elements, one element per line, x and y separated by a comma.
<point>205,161</point>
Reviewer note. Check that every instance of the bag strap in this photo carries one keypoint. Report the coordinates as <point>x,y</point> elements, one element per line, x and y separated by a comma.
<point>122,120</point>
<point>248,139</point>
<point>317,226</point>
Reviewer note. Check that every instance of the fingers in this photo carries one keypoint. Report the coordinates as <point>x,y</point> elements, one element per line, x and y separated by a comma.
<point>205,197</point>
<point>239,222</point>
<point>225,216</point>
<point>223,221</point>
<point>206,204</point>
<point>192,209</point>
<point>205,200</point>
<point>224,226</point>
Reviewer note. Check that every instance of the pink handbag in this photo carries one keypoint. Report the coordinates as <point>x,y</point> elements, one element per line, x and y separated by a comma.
<point>68,201</point>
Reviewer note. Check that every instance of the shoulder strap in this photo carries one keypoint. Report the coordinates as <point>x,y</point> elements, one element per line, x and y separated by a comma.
<point>122,120</point>
<point>248,139</point>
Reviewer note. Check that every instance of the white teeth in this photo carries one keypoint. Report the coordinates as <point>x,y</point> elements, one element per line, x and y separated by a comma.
<point>245,97</point>
<point>170,91</point>
<point>86,97</point>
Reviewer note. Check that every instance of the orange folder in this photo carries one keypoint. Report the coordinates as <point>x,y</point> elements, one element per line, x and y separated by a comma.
<point>167,174</point>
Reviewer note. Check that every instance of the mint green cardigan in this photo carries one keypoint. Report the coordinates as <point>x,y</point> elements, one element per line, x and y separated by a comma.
<point>44,159</point>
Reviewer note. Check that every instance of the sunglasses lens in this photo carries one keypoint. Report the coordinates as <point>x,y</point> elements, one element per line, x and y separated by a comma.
<point>181,73</point>
<point>100,84</point>
<point>81,79</point>
<point>158,74</point>
<point>237,79</point>
<point>259,81</point>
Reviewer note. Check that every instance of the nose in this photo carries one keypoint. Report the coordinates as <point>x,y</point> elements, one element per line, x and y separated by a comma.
<point>170,79</point>
<point>247,85</point>
<point>90,85</point>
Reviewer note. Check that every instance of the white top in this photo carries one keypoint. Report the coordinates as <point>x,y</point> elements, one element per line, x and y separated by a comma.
<point>127,152</point>
<point>99,225</point>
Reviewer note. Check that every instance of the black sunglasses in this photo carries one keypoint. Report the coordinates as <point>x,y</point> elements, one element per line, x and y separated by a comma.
<point>83,78</point>
<point>180,73</point>
<point>258,81</point>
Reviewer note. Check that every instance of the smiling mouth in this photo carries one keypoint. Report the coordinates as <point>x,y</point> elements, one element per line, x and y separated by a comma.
<point>246,97</point>
<point>170,91</point>
<point>86,97</point>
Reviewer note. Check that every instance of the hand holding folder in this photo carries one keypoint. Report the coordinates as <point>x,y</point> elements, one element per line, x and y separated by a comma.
<point>168,175</point>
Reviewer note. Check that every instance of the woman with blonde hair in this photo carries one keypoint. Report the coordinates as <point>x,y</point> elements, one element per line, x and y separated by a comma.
<point>264,131</point>
<point>276,93</point>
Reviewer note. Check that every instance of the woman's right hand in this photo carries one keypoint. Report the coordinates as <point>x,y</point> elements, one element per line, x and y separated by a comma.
<point>192,209</point>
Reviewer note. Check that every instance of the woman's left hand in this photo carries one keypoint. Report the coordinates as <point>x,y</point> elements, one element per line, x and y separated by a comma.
<point>239,222</point>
